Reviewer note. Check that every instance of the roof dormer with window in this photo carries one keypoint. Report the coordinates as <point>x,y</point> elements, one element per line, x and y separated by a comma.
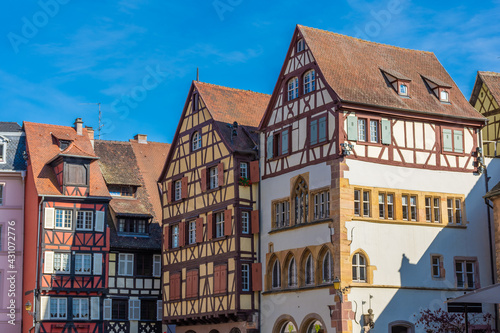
<point>439,88</point>
<point>399,82</point>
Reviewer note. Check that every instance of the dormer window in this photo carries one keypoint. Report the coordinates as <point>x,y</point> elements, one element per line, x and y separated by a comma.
<point>443,96</point>
<point>63,144</point>
<point>397,81</point>
<point>122,191</point>
<point>439,88</point>
<point>3,148</point>
<point>134,226</point>
<point>300,45</point>
<point>76,174</point>
<point>403,89</point>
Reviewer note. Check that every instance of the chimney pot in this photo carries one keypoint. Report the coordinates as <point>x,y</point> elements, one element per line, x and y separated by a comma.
<point>79,126</point>
<point>141,138</point>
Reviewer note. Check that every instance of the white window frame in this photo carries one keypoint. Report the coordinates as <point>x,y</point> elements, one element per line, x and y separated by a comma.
<point>81,258</point>
<point>196,141</point>
<point>63,219</point>
<point>156,265</point>
<point>60,302</point>
<point>300,45</point>
<point>362,130</point>
<point>245,277</point>
<point>436,265</point>
<point>60,260</point>
<point>293,88</point>
<point>178,190</point>
<point>403,89</point>
<point>358,268</point>
<point>126,264</point>
<point>175,236</point>
<point>214,177</point>
<point>245,222</point>
<point>192,232</point>
<point>3,150</point>
<point>445,97</point>
<point>244,170</point>
<point>219,224</point>
<point>309,81</point>
<point>465,273</point>
<point>374,135</point>
<point>84,214</point>
<point>81,304</point>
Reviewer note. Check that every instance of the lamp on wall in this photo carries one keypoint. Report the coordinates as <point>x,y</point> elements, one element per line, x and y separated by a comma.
<point>346,148</point>
<point>340,292</point>
<point>27,306</point>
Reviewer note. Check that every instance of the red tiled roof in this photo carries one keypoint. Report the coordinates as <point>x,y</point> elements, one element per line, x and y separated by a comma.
<point>128,206</point>
<point>42,149</point>
<point>492,81</point>
<point>74,150</point>
<point>229,105</point>
<point>352,67</point>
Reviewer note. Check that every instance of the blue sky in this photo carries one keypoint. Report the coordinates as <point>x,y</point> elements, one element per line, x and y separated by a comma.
<point>138,57</point>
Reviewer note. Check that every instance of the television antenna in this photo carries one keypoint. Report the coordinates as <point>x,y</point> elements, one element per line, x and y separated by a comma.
<point>100,118</point>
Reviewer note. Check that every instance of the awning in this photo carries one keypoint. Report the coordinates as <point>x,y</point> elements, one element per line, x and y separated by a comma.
<point>490,294</point>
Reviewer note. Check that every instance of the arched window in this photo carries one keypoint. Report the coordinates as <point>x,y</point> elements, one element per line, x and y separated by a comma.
<point>444,96</point>
<point>401,327</point>
<point>301,201</point>
<point>288,327</point>
<point>358,268</point>
<point>293,88</point>
<point>314,327</point>
<point>235,330</point>
<point>309,270</point>
<point>292,273</point>
<point>196,141</point>
<point>276,278</point>
<point>327,267</point>
<point>309,81</point>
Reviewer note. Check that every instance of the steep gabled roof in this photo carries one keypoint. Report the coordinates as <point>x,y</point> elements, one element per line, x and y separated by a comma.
<point>117,162</point>
<point>43,149</point>
<point>352,68</point>
<point>491,80</point>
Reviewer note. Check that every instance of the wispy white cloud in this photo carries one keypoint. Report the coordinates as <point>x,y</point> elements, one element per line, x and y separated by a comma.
<point>221,56</point>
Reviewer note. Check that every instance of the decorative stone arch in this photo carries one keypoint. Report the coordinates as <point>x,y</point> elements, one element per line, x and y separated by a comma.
<point>403,324</point>
<point>214,331</point>
<point>369,268</point>
<point>319,263</point>
<point>310,318</point>
<point>301,272</point>
<point>269,272</point>
<point>190,331</point>
<point>235,330</point>
<point>289,256</point>
<point>281,321</point>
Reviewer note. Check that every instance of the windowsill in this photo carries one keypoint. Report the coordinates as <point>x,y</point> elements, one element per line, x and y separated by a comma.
<point>404,96</point>
<point>131,234</point>
<point>445,102</point>
<point>453,153</point>
<point>220,238</point>
<point>209,190</point>
<point>276,158</point>
<point>86,274</point>
<point>79,230</point>
<point>369,143</point>
<point>296,226</point>
<point>421,223</point>
<point>319,144</point>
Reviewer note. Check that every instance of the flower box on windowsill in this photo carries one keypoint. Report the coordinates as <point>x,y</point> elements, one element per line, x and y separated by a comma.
<point>244,181</point>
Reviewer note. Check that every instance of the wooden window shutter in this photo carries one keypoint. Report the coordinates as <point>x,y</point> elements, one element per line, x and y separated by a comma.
<point>166,237</point>
<point>199,230</point>
<point>175,286</point>
<point>195,283</point>
<point>99,221</point>
<point>458,141</point>
<point>94,308</point>
<point>210,226</point>
<point>97,263</point>
<point>386,132</point>
<point>284,142</point>
<point>254,172</point>
<point>182,234</point>
<point>189,284</point>
<point>442,271</point>
<point>49,218</point>
<point>220,173</point>
<point>107,309</point>
<point>228,222</point>
<point>352,128</point>
<point>254,217</point>
<point>159,310</point>
<point>322,129</point>
<point>184,187</point>
<point>270,147</point>
<point>44,308</point>
<point>216,279</point>
<point>257,276</point>
<point>203,179</point>
<point>48,262</point>
<point>313,133</point>
<point>447,140</point>
<point>223,279</point>
<point>169,192</point>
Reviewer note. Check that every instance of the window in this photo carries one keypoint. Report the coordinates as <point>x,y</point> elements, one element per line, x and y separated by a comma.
<point>63,144</point>
<point>386,206</point>
<point>301,201</point>
<point>390,206</point>
<point>358,268</point>
<point>443,96</point>
<point>123,191</point>
<point>119,309</point>
<point>76,174</point>
<point>276,276</point>
<point>214,180</point>
<point>436,265</point>
<point>432,209</point>
<point>309,82</point>
<point>404,204</point>
<point>401,327</point>
<point>453,141</point>
<point>288,327</point>
<point>58,308</point>
<point>282,211</point>
<point>314,327</point>
<point>244,170</point>
<point>143,264</point>
<point>381,205</point>
<point>196,104</point>
<point>322,205</point>
<point>219,224</point>
<point>61,262</point>
<point>192,232</point>
<point>175,236</point>
<point>192,283</point>
<point>2,152</point>
<point>131,225</point>
<point>300,45</point>
<point>178,190</point>
<point>148,309</point>
<point>413,208</point>
<point>156,265</point>
<point>81,308</point>
<point>361,129</point>
<point>64,218</point>
<point>327,267</point>
<point>83,263</point>
<point>292,273</point>
<point>220,279</point>
<point>437,213</point>
<point>293,88</point>
<point>1,228</point>
<point>374,131</point>
<point>454,208</point>
<point>126,264</point>
<point>196,141</point>
<point>318,130</point>
<point>366,203</point>
<point>403,89</point>
<point>84,220</point>
<point>245,277</point>
<point>245,222</point>
<point>465,273</point>
<point>175,286</point>
<point>309,271</point>
<point>1,190</point>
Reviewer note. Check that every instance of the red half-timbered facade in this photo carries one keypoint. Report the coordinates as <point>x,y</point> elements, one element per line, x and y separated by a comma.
<point>67,238</point>
<point>211,274</point>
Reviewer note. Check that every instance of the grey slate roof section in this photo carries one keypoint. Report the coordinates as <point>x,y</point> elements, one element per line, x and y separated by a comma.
<point>6,126</point>
<point>16,146</point>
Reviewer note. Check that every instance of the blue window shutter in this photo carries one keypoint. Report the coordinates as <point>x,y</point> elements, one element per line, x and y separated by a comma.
<point>352,128</point>
<point>284,142</point>
<point>322,129</point>
<point>270,147</point>
<point>447,140</point>
<point>314,132</point>
<point>458,141</point>
<point>386,132</point>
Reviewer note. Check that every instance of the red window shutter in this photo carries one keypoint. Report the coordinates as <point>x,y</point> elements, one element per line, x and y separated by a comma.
<point>169,192</point>
<point>188,285</point>
<point>254,217</point>
<point>199,230</point>
<point>216,279</point>
<point>166,238</point>
<point>228,223</point>
<point>184,188</point>
<point>210,226</point>
<point>257,276</point>
<point>223,278</point>
<point>254,171</point>
<point>182,234</point>
<point>175,286</point>
<point>220,173</point>
<point>195,283</point>
<point>203,178</point>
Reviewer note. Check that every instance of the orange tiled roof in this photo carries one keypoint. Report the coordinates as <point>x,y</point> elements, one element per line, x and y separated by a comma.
<point>229,105</point>
<point>42,149</point>
<point>352,67</point>
<point>492,81</point>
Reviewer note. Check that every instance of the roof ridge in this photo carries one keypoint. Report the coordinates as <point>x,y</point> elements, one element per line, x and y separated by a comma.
<point>49,125</point>
<point>112,141</point>
<point>489,73</point>
<point>363,40</point>
<point>229,88</point>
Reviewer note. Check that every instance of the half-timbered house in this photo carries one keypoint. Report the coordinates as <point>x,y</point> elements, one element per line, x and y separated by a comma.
<point>66,238</point>
<point>368,170</point>
<point>131,170</point>
<point>211,274</point>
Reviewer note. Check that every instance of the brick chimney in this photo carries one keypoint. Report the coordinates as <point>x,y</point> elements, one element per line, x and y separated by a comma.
<point>79,126</point>
<point>90,132</point>
<point>141,138</point>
